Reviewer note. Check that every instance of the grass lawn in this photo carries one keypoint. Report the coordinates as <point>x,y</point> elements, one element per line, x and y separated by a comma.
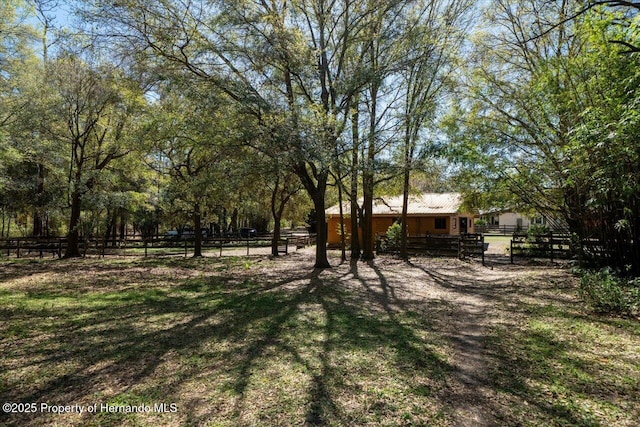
<point>234,341</point>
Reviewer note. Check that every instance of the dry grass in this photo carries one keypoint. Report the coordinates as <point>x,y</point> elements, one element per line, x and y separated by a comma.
<point>233,341</point>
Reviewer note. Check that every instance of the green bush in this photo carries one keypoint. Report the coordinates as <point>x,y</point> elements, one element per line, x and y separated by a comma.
<point>480,222</point>
<point>394,233</point>
<point>607,293</point>
<point>537,230</point>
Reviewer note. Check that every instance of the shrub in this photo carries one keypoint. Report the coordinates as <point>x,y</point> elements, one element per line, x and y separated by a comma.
<point>394,233</point>
<point>480,222</point>
<point>537,230</point>
<point>607,293</point>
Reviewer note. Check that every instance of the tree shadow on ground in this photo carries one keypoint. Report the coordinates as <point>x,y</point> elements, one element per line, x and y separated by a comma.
<point>542,366</point>
<point>220,333</point>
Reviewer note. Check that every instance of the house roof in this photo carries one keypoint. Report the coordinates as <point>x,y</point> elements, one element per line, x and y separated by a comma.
<point>423,204</point>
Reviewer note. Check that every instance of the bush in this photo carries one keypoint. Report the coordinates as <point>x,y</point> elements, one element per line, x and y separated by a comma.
<point>394,233</point>
<point>608,293</point>
<point>537,230</point>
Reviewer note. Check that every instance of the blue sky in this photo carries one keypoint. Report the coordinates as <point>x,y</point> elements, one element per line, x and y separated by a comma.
<point>63,15</point>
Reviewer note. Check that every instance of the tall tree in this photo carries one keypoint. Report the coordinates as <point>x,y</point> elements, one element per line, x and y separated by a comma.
<point>91,115</point>
<point>186,135</point>
<point>18,69</point>
<point>438,31</point>
<point>45,14</point>
<point>531,121</point>
<point>274,58</point>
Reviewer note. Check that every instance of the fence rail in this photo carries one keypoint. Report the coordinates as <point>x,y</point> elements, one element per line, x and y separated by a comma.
<point>589,251</point>
<point>550,245</point>
<point>462,246</point>
<point>20,247</point>
<point>24,245</point>
<point>511,229</point>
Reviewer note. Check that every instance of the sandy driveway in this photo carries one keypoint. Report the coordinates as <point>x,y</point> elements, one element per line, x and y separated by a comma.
<point>471,298</point>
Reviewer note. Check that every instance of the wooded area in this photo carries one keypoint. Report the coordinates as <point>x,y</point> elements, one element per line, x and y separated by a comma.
<point>154,115</point>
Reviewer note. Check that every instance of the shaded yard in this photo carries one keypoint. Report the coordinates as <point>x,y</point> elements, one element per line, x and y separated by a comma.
<point>236,341</point>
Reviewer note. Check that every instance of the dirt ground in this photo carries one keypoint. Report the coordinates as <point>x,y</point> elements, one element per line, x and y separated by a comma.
<point>473,299</point>
<point>478,299</point>
<point>468,312</point>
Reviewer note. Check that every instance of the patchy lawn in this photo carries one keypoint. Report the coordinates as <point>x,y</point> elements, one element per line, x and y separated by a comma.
<point>234,341</point>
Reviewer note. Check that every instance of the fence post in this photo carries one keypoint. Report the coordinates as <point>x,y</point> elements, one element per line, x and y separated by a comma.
<point>511,250</point>
<point>286,246</point>
<point>248,245</point>
<point>482,247</point>
<point>551,244</point>
<point>18,248</point>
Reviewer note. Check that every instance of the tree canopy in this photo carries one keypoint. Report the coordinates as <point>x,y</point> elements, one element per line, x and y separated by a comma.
<point>190,112</point>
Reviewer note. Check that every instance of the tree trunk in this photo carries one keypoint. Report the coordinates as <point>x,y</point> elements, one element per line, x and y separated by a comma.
<point>316,188</point>
<point>405,201</point>
<point>635,245</point>
<point>123,224</point>
<point>38,229</point>
<point>408,157</point>
<point>367,191</point>
<point>233,226</point>
<point>107,231</point>
<point>368,173</point>
<point>197,225</point>
<point>276,232</point>
<point>321,239</point>
<point>73,236</point>
<point>37,224</point>
<point>114,228</point>
<point>343,243</point>
<point>367,219</point>
<point>355,235</point>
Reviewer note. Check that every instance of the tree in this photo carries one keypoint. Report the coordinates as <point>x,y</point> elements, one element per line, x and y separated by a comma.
<point>439,31</point>
<point>531,122</point>
<point>272,58</point>
<point>187,135</point>
<point>520,113</point>
<point>19,70</point>
<point>91,115</point>
<point>604,151</point>
<point>626,20</point>
<point>44,12</point>
<point>283,187</point>
<point>407,60</point>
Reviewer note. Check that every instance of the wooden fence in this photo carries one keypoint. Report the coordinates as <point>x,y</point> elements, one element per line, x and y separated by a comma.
<point>589,251</point>
<point>551,245</point>
<point>21,247</point>
<point>500,229</point>
<point>463,246</point>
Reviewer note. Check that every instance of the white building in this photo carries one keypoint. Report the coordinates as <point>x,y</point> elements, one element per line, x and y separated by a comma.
<point>509,221</point>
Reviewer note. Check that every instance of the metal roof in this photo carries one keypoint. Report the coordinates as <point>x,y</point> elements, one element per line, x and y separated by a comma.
<point>423,204</point>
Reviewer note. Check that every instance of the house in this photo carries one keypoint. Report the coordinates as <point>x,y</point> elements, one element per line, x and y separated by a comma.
<point>428,213</point>
<point>509,221</point>
<point>506,218</point>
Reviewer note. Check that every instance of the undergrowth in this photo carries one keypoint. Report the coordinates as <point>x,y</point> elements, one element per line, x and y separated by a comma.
<point>606,292</point>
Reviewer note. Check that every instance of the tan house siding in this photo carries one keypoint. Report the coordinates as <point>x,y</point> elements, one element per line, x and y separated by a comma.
<point>422,223</point>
